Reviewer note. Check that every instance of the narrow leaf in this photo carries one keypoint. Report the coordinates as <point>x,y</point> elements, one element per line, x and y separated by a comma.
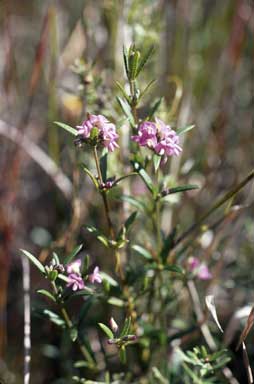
<point>156,162</point>
<point>115,301</point>
<point>46,293</point>
<point>142,251</point>
<point>124,93</point>
<point>144,59</point>
<point>104,166</point>
<point>154,108</point>
<point>149,85</point>
<point>133,201</point>
<point>125,59</point>
<point>67,128</point>
<point>89,173</point>
<point>34,260</point>
<point>127,327</point>
<point>106,330</point>
<point>168,244</point>
<point>126,110</point>
<point>181,188</point>
<point>182,130</point>
<point>74,253</point>
<point>109,279</point>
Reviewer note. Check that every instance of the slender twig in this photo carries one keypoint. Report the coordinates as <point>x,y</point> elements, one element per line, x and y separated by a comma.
<point>27,319</point>
<point>217,205</point>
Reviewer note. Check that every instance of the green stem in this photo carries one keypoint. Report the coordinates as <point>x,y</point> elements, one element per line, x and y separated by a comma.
<point>104,194</point>
<point>69,324</point>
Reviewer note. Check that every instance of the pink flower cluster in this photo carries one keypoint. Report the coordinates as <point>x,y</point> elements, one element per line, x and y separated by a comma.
<point>159,137</point>
<point>75,279</point>
<point>200,270</point>
<point>107,135</point>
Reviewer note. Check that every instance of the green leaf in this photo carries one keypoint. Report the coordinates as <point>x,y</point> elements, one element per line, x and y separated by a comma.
<point>128,223</point>
<point>100,236</point>
<point>125,59</point>
<point>127,327</point>
<point>168,244</point>
<point>34,260</point>
<point>142,251</point>
<point>74,253</point>
<point>133,64</point>
<point>149,85</point>
<point>54,317</point>
<point>174,268</point>
<point>56,258</point>
<point>46,293</point>
<point>92,177</point>
<point>115,301</point>
<point>144,175</point>
<point>133,201</point>
<point>109,279</point>
<point>181,188</point>
<point>104,166</point>
<point>63,277</point>
<point>73,334</point>
<point>183,130</point>
<point>106,330</point>
<point>154,108</point>
<point>68,128</point>
<point>126,110</point>
<point>144,59</point>
<point>156,162</point>
<point>125,95</point>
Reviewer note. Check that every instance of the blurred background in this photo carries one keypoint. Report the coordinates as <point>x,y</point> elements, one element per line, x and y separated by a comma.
<point>204,66</point>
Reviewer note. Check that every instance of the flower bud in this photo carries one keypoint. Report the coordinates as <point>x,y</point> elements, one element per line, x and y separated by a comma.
<point>113,325</point>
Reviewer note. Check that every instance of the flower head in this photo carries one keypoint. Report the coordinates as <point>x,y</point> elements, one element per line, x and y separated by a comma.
<point>96,129</point>
<point>203,272</point>
<point>74,267</point>
<point>95,276</point>
<point>75,281</point>
<point>200,270</point>
<point>159,137</point>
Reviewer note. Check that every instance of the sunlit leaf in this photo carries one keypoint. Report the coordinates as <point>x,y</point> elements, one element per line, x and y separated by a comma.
<point>34,260</point>
<point>67,128</point>
<point>106,330</point>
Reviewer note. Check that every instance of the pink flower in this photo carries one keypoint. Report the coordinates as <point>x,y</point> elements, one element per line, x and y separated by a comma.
<point>107,135</point>
<point>200,270</point>
<point>159,137</point>
<point>74,267</point>
<point>95,276</point>
<point>203,272</point>
<point>193,263</point>
<point>75,281</point>
<point>146,135</point>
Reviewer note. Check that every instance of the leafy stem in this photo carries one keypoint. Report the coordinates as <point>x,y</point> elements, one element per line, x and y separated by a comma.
<point>69,324</point>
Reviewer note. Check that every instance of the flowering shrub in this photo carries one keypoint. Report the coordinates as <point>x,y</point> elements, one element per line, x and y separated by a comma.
<point>144,339</point>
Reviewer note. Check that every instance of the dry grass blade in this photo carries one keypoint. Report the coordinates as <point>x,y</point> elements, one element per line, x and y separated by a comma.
<point>212,309</point>
<point>247,364</point>
<point>247,328</point>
